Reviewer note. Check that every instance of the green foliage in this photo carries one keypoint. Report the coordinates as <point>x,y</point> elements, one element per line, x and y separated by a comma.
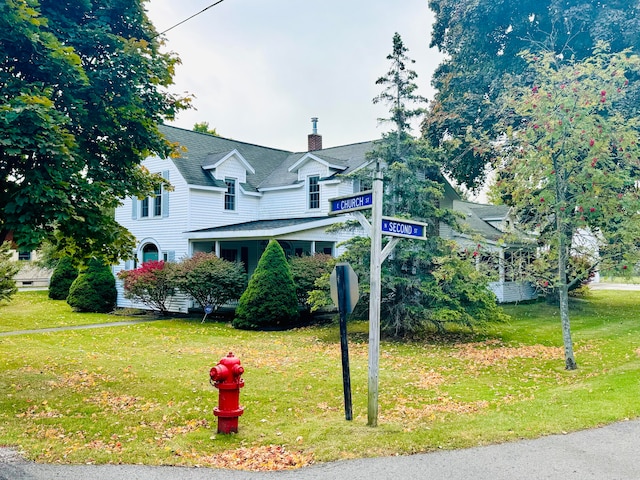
<point>543,272</point>
<point>573,157</point>
<point>94,290</point>
<point>203,127</point>
<point>152,284</point>
<point>8,270</point>
<point>482,39</point>
<point>452,293</point>
<point>209,280</point>
<point>62,277</point>
<point>83,91</point>
<point>400,88</point>
<point>306,271</point>
<point>270,298</point>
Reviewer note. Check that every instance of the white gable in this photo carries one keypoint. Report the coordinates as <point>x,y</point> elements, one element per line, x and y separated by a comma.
<point>310,164</point>
<point>230,165</point>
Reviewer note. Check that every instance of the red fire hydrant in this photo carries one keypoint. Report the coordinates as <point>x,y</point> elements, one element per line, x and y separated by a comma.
<point>226,378</point>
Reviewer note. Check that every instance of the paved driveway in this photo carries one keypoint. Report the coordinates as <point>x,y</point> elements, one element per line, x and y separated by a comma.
<point>607,453</point>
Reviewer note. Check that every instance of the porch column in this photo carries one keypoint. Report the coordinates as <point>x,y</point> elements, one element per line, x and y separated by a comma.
<point>217,248</point>
<point>501,266</point>
<point>313,247</point>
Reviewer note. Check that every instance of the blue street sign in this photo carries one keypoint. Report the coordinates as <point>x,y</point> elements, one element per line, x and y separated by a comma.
<point>361,201</point>
<point>398,227</point>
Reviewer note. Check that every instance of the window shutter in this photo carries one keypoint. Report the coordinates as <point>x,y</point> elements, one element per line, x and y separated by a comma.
<point>134,208</point>
<point>165,196</point>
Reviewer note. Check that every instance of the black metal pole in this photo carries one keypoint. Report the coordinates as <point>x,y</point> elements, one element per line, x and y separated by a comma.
<point>341,274</point>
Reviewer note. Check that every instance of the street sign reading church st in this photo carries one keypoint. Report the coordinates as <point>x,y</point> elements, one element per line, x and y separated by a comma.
<point>351,203</point>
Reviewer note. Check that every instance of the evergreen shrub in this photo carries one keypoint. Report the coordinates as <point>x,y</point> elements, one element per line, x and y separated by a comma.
<point>270,299</point>
<point>63,276</point>
<point>94,290</point>
<point>8,269</point>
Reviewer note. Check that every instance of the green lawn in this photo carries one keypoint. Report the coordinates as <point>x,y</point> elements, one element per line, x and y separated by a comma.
<point>140,393</point>
<point>33,309</point>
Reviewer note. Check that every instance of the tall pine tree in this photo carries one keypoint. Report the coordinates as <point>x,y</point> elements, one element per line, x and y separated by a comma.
<point>424,283</point>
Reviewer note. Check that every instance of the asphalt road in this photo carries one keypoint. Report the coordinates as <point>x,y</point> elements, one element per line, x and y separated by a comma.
<point>607,453</point>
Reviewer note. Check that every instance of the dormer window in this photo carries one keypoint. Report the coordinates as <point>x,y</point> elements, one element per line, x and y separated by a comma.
<point>230,194</point>
<point>314,192</point>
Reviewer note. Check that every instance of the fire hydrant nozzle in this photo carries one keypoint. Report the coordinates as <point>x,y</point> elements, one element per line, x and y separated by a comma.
<point>226,378</point>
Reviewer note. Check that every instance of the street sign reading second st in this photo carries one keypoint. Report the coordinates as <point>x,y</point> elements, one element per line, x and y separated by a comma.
<point>399,227</point>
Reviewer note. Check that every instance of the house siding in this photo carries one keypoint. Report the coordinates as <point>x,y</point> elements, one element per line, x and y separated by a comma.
<point>511,292</point>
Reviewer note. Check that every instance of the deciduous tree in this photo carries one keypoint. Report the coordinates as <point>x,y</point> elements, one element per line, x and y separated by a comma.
<point>481,40</point>
<point>570,162</point>
<point>83,90</point>
<point>306,270</point>
<point>203,127</point>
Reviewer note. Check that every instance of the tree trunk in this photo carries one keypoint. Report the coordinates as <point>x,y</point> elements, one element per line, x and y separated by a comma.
<point>563,259</point>
<point>570,361</point>
<point>563,292</point>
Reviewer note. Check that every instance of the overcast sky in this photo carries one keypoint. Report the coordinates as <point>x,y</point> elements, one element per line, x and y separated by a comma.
<point>260,69</point>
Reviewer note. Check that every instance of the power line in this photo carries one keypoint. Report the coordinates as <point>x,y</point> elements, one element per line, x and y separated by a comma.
<point>187,19</point>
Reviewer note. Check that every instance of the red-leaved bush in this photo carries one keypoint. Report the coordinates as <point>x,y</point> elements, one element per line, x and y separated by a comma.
<point>150,284</point>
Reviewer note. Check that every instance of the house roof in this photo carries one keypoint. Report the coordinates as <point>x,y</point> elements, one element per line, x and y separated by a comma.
<point>271,165</point>
<point>264,228</point>
<point>260,225</point>
<point>473,218</point>
<point>489,212</point>
<point>202,148</point>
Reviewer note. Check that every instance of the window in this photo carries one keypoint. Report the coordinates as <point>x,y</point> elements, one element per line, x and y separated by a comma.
<point>229,254</point>
<point>144,207</point>
<point>230,194</point>
<point>314,192</point>
<point>362,185</point>
<point>155,205</point>
<point>157,202</point>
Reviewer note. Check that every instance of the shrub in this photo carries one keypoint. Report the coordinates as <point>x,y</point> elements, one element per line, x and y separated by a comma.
<point>210,280</point>
<point>150,284</point>
<point>63,276</point>
<point>270,298</point>
<point>306,270</point>
<point>94,290</point>
<point>8,270</point>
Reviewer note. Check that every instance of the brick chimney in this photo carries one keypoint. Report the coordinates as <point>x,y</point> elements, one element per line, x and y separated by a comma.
<point>314,140</point>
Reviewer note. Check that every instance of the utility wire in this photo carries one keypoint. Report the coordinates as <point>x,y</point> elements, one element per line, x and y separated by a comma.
<point>187,19</point>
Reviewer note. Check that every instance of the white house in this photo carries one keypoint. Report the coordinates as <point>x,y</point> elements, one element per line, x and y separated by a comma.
<point>231,198</point>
